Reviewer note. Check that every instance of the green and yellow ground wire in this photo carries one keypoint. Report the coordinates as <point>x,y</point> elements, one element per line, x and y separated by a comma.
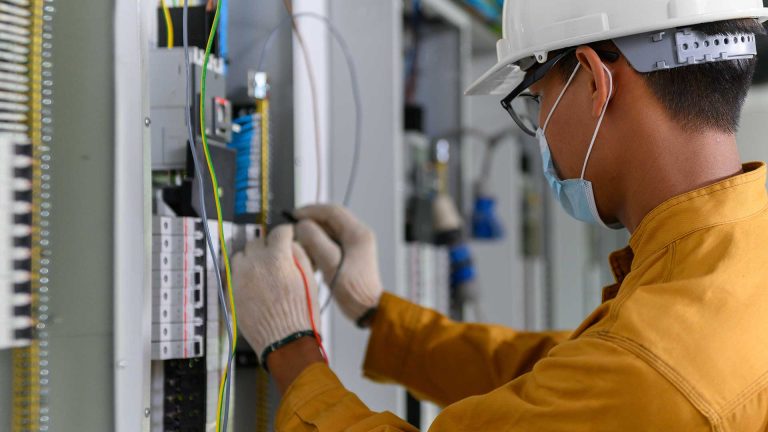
<point>215,184</point>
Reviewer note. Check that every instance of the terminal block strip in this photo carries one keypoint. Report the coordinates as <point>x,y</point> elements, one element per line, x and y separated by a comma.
<point>26,100</point>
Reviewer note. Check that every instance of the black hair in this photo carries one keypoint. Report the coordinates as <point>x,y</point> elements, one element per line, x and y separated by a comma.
<point>702,96</point>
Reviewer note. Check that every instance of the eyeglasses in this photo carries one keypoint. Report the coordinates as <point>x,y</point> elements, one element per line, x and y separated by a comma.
<point>524,107</point>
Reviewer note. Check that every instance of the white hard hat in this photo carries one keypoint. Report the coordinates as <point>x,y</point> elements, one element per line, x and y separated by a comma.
<point>534,28</point>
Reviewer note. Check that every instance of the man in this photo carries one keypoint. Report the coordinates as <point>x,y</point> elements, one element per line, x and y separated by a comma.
<point>639,104</point>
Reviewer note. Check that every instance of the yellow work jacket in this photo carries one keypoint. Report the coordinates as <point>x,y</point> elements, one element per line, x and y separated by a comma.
<point>679,344</point>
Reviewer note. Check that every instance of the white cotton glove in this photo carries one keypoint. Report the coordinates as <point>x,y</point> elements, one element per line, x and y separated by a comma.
<point>269,290</point>
<point>358,288</point>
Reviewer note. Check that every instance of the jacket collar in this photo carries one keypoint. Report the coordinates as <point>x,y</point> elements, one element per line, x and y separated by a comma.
<point>727,201</point>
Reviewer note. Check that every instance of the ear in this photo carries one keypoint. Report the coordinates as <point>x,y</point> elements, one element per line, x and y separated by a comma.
<point>600,81</point>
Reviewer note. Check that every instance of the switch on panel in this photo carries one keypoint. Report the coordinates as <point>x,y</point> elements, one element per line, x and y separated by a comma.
<point>222,119</point>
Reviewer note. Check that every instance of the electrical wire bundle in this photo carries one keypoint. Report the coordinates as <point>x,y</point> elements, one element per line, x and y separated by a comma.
<point>222,411</point>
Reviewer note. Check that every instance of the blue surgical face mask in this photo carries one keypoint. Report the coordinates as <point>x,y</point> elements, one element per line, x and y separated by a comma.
<point>576,196</point>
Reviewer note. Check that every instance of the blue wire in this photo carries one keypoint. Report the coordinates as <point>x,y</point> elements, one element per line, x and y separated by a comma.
<point>242,142</point>
<point>224,33</point>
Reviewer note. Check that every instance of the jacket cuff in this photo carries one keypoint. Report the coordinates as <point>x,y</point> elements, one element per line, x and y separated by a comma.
<point>392,329</point>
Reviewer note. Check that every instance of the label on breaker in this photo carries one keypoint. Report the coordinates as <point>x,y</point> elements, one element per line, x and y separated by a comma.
<point>175,313</point>
<point>170,332</point>
<point>177,244</point>
<point>189,298</point>
<point>176,261</point>
<point>176,226</point>
<point>178,279</point>
<point>178,349</point>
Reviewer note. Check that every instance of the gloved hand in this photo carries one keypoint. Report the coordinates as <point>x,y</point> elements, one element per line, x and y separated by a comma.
<point>358,288</point>
<point>270,293</point>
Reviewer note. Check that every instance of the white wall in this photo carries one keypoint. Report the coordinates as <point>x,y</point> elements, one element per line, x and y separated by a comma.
<point>752,133</point>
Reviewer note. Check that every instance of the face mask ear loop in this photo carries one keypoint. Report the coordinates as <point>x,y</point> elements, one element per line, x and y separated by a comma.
<point>599,122</point>
<point>559,98</point>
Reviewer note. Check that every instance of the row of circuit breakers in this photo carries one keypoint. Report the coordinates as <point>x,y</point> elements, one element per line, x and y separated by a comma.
<point>188,353</point>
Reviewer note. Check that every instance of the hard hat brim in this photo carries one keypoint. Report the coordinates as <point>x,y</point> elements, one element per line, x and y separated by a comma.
<point>506,75</point>
<point>501,79</point>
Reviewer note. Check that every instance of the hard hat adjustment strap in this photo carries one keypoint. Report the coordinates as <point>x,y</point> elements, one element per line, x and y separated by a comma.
<point>679,47</point>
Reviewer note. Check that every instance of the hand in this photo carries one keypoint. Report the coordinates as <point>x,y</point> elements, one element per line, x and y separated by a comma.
<point>357,288</point>
<point>270,292</point>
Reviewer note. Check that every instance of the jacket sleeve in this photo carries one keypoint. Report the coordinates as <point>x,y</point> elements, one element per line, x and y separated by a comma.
<point>584,385</point>
<point>317,401</point>
<point>445,361</point>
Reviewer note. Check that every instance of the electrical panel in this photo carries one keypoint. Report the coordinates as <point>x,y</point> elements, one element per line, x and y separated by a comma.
<point>144,227</point>
<point>139,300</point>
<point>140,317</point>
<point>189,349</point>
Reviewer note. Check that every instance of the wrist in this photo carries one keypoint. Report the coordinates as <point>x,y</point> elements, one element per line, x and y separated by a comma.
<point>359,299</point>
<point>365,321</point>
<point>289,361</point>
<point>269,349</point>
<point>278,324</point>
